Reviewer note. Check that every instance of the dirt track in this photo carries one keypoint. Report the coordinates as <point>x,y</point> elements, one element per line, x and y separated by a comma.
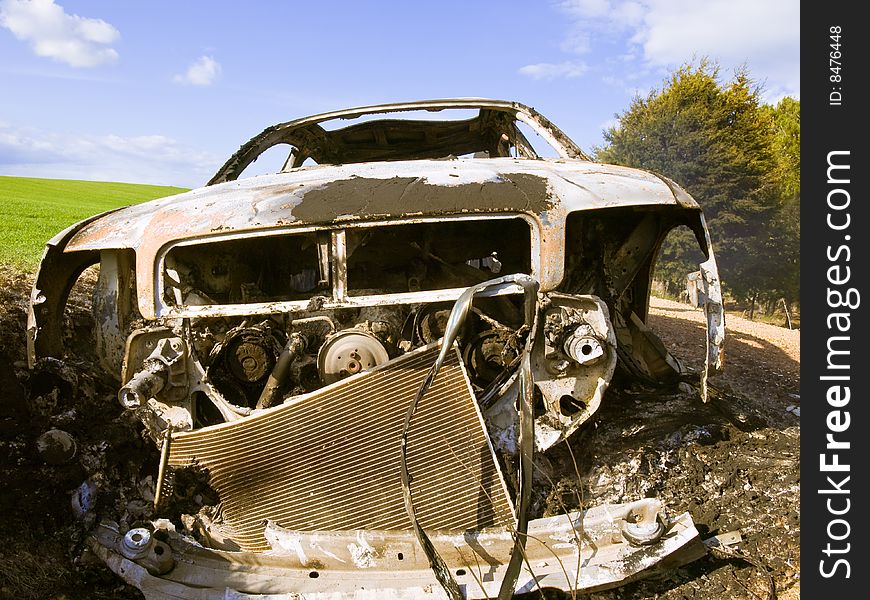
<point>762,361</point>
<point>731,463</point>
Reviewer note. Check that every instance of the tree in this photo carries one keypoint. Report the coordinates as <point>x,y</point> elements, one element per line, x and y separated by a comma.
<point>786,232</point>
<point>718,141</point>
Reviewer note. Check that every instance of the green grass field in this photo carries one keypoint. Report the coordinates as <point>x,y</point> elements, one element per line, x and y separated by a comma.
<point>32,211</point>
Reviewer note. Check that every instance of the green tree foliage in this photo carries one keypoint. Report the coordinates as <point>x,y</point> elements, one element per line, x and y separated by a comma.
<point>737,157</point>
<point>787,145</point>
<point>786,230</point>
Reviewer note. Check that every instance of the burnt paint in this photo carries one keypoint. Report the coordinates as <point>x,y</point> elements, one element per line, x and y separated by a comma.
<point>364,197</point>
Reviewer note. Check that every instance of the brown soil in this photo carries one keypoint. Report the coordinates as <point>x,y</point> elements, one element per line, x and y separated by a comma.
<point>731,463</point>
<point>41,541</point>
<point>762,361</point>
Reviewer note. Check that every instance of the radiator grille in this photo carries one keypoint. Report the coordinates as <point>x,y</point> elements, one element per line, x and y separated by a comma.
<point>330,461</point>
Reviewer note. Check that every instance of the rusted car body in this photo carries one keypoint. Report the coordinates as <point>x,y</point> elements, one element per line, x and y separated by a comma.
<point>364,354</point>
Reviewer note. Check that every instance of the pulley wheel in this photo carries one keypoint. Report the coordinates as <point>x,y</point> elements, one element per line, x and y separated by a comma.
<point>347,353</point>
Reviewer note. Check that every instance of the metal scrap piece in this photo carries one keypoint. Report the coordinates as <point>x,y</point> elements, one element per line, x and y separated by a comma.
<point>582,551</point>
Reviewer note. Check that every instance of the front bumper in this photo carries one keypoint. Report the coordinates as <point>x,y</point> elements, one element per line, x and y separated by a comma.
<point>582,551</point>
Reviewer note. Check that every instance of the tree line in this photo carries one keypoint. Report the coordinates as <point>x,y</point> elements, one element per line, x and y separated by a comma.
<point>740,159</point>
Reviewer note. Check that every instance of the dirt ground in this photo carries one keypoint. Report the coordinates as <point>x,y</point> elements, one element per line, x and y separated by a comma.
<point>732,463</point>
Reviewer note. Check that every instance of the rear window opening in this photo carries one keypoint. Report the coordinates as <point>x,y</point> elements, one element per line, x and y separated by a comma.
<point>272,160</point>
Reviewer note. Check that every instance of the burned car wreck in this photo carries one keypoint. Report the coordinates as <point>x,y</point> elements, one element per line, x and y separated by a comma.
<point>363,353</point>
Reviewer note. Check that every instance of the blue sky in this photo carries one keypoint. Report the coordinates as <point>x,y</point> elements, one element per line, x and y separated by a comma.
<point>163,92</point>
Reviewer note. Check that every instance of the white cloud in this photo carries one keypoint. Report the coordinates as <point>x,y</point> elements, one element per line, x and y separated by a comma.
<point>586,8</point>
<point>204,71</point>
<point>52,33</point>
<point>762,34</point>
<point>577,42</point>
<point>154,159</point>
<point>732,29</point>
<point>548,71</point>
<point>629,13</point>
<point>588,15</point>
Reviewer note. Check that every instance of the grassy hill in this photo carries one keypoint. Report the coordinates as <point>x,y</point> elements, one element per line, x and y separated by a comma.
<point>32,211</point>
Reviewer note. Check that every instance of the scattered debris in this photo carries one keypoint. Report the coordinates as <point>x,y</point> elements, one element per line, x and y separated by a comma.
<point>56,447</point>
<point>729,539</point>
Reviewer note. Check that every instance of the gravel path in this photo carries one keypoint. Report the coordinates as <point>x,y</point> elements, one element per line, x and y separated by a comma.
<point>761,361</point>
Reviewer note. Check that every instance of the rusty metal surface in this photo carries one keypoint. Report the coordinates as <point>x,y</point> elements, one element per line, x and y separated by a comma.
<point>329,460</point>
<point>270,201</point>
<point>546,191</point>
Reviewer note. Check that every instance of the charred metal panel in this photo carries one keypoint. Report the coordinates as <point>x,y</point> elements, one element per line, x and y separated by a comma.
<point>714,310</point>
<point>573,360</point>
<point>545,191</point>
<point>635,253</point>
<point>58,271</point>
<point>582,551</point>
<point>329,460</point>
<point>269,201</point>
<point>57,274</point>
<point>363,197</point>
<point>642,353</point>
<point>113,304</point>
